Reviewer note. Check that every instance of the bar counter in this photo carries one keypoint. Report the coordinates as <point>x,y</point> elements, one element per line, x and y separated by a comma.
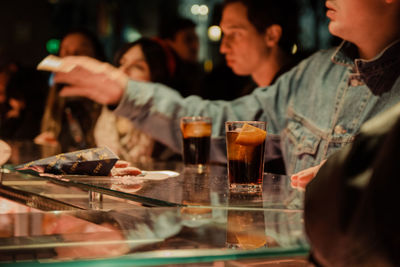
<point>167,216</point>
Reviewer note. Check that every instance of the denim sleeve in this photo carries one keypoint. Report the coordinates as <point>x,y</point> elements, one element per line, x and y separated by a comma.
<point>156,109</point>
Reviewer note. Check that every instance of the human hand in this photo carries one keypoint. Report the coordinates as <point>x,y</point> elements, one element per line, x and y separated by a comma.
<point>46,138</point>
<point>301,179</point>
<point>123,168</point>
<point>88,77</point>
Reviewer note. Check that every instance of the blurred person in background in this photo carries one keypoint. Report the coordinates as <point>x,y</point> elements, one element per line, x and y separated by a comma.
<point>10,107</point>
<point>258,38</point>
<point>22,94</point>
<point>143,60</point>
<point>180,34</point>
<point>69,122</point>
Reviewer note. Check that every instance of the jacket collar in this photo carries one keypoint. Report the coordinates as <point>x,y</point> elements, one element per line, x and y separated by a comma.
<point>379,73</point>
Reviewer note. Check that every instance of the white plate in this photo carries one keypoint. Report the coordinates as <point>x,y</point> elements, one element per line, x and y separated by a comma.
<point>127,179</point>
<point>157,175</point>
<point>145,176</point>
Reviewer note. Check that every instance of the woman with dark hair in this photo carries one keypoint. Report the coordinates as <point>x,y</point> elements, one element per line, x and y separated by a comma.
<point>143,60</point>
<point>157,55</point>
<point>68,123</point>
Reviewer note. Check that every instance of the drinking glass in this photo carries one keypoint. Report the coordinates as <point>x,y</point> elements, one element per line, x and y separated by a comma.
<point>245,143</point>
<point>196,133</point>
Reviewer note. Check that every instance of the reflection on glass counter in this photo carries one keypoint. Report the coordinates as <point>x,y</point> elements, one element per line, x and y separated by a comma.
<point>246,228</point>
<point>173,187</point>
<point>167,215</point>
<point>179,188</point>
<point>10,207</point>
<point>49,195</point>
<point>150,235</point>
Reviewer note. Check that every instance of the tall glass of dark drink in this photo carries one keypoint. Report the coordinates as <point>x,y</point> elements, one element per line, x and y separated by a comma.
<point>196,133</point>
<point>245,143</point>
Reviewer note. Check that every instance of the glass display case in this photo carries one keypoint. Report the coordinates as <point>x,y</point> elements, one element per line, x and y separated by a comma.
<point>166,216</point>
<point>171,185</point>
<point>149,236</point>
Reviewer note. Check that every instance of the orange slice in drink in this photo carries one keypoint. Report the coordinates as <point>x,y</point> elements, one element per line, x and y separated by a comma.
<point>251,240</point>
<point>250,136</point>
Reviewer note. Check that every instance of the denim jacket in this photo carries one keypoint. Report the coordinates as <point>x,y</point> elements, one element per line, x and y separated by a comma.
<point>317,107</point>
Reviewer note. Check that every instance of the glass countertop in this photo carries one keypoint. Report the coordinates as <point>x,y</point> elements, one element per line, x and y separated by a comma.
<point>193,219</point>
<point>177,187</point>
<point>187,188</point>
<point>147,236</point>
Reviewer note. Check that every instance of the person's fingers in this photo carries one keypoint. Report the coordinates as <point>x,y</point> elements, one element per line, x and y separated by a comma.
<point>92,66</point>
<point>127,171</point>
<point>299,185</point>
<point>62,77</point>
<point>75,91</point>
<point>306,177</point>
<point>299,175</point>
<point>98,87</point>
<point>121,164</point>
<point>83,61</point>
<point>77,75</point>
<point>301,179</point>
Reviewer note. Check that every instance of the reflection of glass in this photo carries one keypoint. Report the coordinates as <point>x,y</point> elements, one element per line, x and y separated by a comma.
<point>196,198</point>
<point>246,227</point>
<point>194,216</point>
<point>245,148</point>
<point>196,133</point>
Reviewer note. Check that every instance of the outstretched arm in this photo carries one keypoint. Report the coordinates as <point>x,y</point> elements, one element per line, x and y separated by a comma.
<point>156,109</point>
<point>88,77</point>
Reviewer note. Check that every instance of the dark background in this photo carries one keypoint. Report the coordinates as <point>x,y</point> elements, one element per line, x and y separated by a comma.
<point>27,25</point>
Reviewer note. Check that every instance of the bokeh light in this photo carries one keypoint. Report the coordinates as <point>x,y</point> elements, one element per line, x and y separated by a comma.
<point>203,10</point>
<point>195,9</point>
<point>199,10</point>
<point>131,34</point>
<point>294,49</point>
<point>214,33</point>
<point>53,46</point>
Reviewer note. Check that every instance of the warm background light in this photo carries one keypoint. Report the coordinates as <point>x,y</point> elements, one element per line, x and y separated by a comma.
<point>214,33</point>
